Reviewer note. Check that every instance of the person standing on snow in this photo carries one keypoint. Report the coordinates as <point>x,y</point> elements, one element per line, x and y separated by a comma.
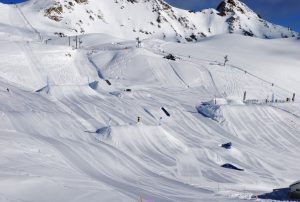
<point>160,121</point>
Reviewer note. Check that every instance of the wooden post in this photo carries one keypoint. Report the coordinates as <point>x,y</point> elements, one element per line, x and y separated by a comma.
<point>76,41</point>
<point>245,96</point>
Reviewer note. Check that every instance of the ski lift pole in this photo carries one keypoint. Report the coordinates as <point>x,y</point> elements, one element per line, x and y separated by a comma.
<point>245,96</point>
<point>76,38</point>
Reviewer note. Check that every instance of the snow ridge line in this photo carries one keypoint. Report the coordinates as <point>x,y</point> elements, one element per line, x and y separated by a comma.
<point>99,73</point>
<point>206,69</point>
<point>179,77</point>
<point>285,110</point>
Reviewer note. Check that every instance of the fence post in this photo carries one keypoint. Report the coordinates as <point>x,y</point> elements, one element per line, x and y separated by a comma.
<point>245,96</point>
<point>76,41</point>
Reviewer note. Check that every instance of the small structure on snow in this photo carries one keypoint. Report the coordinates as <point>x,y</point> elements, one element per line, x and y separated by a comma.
<point>170,57</point>
<point>166,112</point>
<point>108,82</point>
<point>295,190</point>
<point>227,145</point>
<point>291,193</point>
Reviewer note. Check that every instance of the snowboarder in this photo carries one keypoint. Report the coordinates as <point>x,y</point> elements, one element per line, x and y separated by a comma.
<point>226,59</point>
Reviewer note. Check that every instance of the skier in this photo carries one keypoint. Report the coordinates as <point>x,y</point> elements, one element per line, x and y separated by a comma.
<point>226,59</point>
<point>160,121</point>
<point>7,90</point>
<point>138,119</point>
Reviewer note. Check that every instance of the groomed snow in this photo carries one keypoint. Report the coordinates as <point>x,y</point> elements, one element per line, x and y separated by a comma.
<point>62,139</point>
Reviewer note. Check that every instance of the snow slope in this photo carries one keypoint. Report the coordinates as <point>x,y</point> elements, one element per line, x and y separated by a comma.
<point>66,135</point>
<point>49,139</point>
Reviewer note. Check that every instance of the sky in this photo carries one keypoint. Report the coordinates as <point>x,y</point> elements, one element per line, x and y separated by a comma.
<point>12,1</point>
<point>282,12</point>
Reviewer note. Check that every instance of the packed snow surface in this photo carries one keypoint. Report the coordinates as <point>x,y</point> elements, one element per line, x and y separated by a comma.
<point>67,135</point>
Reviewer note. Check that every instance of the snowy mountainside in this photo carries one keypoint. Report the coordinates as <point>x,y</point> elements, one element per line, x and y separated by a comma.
<point>84,140</point>
<point>147,18</point>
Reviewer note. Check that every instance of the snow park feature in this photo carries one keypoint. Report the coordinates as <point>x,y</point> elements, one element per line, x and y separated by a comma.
<point>110,121</point>
<point>283,194</point>
<point>227,145</point>
<point>295,190</point>
<point>230,166</point>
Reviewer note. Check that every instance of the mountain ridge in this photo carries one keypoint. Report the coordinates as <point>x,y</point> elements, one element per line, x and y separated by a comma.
<point>148,19</point>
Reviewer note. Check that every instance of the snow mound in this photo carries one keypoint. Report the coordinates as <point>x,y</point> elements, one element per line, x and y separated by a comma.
<point>213,109</point>
<point>143,139</point>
